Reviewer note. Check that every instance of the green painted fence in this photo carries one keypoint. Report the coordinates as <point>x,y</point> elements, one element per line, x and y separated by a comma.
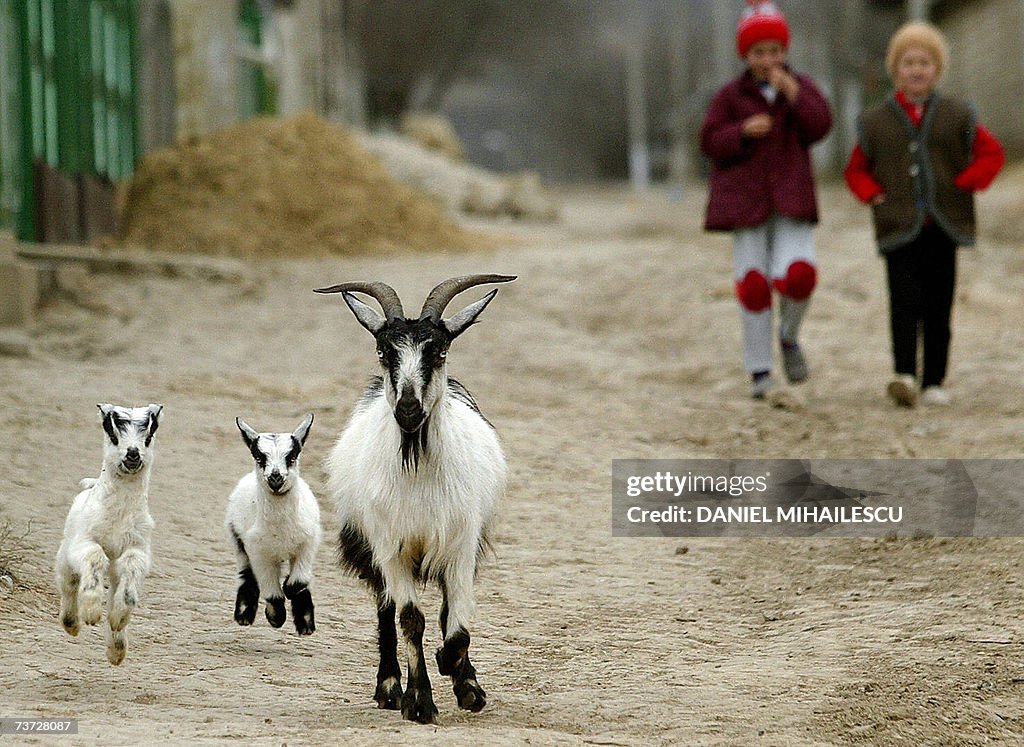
<point>10,115</point>
<point>256,93</point>
<point>69,96</point>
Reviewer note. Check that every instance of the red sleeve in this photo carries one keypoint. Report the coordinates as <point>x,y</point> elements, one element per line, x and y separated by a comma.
<point>721,136</point>
<point>987,158</point>
<point>811,112</point>
<point>859,177</point>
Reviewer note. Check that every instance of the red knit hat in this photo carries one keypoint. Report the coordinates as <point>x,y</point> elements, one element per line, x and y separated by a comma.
<point>760,22</point>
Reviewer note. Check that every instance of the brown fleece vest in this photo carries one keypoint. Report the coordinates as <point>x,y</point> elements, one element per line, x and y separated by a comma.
<point>916,167</point>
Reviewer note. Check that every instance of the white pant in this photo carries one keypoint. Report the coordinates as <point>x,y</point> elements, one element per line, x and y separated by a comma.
<point>770,249</point>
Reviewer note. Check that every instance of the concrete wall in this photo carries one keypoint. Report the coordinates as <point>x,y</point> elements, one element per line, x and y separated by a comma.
<point>342,83</point>
<point>205,65</point>
<point>305,54</point>
<point>299,63</point>
<point>156,86</point>
<point>987,62</point>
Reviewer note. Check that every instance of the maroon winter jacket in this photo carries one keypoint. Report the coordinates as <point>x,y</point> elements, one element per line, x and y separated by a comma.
<point>751,177</point>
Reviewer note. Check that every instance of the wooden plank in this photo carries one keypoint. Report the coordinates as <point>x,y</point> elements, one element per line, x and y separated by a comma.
<point>96,207</point>
<point>57,204</point>
<point>136,262</point>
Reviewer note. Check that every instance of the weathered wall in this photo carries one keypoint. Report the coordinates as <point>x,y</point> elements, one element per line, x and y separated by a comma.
<point>205,65</point>
<point>987,62</point>
<point>156,82</point>
<point>342,83</point>
<point>298,65</point>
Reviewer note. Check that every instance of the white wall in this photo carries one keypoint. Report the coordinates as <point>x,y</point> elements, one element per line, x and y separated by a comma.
<point>986,39</point>
<point>205,65</point>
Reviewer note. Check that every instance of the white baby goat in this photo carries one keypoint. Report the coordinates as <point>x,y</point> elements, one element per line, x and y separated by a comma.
<point>415,475</point>
<point>273,521</point>
<point>107,531</point>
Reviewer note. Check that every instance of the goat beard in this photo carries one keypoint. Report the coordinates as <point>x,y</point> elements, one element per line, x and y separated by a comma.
<point>414,444</point>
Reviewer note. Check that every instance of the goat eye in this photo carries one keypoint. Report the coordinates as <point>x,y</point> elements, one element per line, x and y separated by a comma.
<point>443,354</point>
<point>380,354</point>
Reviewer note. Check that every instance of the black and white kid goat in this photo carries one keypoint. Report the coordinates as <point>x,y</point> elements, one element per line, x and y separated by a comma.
<point>273,523</point>
<point>107,531</point>
<point>416,474</point>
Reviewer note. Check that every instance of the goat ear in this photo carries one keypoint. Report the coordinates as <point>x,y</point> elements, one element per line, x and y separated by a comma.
<point>154,421</point>
<point>458,323</point>
<point>366,316</point>
<point>106,415</point>
<point>302,431</point>
<point>249,435</point>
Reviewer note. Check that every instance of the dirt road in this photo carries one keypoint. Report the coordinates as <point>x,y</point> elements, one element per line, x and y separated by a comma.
<point>620,339</point>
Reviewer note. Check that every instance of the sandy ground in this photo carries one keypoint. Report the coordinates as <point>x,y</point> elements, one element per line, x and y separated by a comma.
<point>620,339</point>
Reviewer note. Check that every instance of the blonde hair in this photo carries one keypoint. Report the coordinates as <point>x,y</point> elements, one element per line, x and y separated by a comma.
<point>917,34</point>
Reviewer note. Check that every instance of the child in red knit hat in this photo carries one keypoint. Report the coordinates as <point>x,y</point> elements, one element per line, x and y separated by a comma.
<point>758,132</point>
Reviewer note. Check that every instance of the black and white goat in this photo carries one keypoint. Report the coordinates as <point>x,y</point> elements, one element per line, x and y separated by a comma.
<point>273,522</point>
<point>416,474</point>
<point>107,531</point>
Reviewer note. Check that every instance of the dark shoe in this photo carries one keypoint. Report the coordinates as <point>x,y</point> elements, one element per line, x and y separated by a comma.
<point>903,390</point>
<point>760,383</point>
<point>793,362</point>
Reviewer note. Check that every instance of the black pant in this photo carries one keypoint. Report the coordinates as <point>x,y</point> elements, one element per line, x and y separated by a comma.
<point>922,276</point>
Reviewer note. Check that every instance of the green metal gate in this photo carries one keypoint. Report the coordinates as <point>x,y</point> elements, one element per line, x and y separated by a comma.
<point>70,76</point>
<point>10,116</point>
<point>256,93</point>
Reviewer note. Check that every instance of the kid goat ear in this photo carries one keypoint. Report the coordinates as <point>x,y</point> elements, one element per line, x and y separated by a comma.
<point>155,412</point>
<point>302,431</point>
<point>249,435</point>
<point>106,415</point>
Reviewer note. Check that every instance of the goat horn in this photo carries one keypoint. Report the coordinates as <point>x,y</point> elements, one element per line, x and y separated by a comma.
<point>389,301</point>
<point>443,293</point>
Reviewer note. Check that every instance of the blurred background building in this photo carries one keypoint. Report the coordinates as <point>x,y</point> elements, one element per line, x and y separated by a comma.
<point>575,91</point>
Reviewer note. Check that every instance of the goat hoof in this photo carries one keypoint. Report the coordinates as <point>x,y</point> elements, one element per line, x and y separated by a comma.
<point>302,609</point>
<point>418,705</point>
<point>70,625</point>
<point>116,649</point>
<point>246,606</point>
<point>470,695</point>
<point>245,614</point>
<point>389,694</point>
<point>305,625</point>
<point>275,612</point>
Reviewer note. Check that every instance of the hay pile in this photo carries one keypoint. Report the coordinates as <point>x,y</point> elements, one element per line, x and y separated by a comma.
<point>278,188</point>
<point>434,132</point>
<point>461,186</point>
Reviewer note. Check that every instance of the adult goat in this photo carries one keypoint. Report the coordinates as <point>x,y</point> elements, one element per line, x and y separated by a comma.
<point>415,476</point>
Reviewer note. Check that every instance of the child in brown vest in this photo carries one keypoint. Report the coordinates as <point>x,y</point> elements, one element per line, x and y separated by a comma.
<point>919,160</point>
